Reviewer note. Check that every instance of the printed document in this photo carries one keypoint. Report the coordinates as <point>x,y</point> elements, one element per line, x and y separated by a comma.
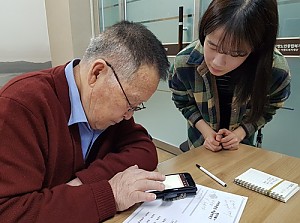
<point>208,205</point>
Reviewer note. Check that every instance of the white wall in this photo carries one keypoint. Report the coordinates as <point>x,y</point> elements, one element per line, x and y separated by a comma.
<point>69,25</point>
<point>162,119</point>
<point>24,30</point>
<point>24,34</point>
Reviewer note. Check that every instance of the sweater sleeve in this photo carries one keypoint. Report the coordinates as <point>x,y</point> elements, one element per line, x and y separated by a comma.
<point>33,177</point>
<point>122,145</point>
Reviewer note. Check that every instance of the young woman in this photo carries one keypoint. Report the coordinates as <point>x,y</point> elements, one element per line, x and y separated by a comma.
<point>230,82</point>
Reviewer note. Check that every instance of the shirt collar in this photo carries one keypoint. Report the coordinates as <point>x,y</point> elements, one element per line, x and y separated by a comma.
<point>77,111</point>
<point>196,56</point>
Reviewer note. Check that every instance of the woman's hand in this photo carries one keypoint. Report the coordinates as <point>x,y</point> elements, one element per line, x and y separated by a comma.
<point>231,139</point>
<point>211,142</point>
<point>210,136</point>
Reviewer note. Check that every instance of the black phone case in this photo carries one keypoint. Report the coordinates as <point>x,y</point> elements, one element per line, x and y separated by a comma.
<point>178,193</point>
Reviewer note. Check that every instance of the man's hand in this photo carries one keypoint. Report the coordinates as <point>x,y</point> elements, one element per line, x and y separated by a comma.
<point>130,185</point>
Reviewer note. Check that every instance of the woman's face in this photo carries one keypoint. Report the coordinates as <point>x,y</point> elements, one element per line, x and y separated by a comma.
<point>220,63</point>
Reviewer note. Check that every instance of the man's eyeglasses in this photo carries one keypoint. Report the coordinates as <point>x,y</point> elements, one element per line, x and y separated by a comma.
<point>132,108</point>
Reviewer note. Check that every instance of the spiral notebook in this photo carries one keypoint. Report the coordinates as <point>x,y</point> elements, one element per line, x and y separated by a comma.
<point>267,184</point>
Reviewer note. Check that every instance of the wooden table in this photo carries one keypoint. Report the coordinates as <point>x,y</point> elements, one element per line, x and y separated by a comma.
<point>227,165</point>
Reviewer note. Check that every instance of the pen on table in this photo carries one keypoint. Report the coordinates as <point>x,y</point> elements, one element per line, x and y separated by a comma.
<point>211,175</point>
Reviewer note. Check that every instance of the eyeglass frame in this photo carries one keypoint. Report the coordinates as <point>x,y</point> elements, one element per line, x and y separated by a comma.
<point>132,108</point>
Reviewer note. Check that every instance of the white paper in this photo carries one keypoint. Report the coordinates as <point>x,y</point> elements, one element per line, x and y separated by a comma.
<point>208,205</point>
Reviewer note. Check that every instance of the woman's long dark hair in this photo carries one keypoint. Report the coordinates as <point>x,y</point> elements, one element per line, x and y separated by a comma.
<point>252,22</point>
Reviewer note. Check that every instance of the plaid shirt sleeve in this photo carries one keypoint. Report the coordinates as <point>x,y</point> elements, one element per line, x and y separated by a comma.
<point>182,84</point>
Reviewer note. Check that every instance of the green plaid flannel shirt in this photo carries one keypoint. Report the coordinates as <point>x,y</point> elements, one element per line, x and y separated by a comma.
<point>194,92</point>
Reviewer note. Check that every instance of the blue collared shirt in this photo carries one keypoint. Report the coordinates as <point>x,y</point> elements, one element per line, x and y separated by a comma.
<point>87,134</point>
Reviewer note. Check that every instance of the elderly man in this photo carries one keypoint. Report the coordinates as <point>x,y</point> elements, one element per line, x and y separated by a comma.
<point>70,149</point>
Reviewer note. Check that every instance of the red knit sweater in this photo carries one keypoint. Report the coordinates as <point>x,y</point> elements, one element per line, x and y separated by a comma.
<point>39,154</point>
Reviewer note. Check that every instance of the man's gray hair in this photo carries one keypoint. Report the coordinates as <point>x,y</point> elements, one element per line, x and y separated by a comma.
<point>127,46</point>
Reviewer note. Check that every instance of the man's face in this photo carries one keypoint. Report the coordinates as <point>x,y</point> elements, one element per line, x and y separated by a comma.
<point>106,103</point>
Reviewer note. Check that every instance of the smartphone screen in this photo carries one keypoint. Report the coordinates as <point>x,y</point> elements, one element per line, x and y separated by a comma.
<point>177,186</point>
<point>173,181</point>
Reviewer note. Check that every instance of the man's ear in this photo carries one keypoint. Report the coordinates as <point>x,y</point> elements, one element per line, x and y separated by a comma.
<point>97,69</point>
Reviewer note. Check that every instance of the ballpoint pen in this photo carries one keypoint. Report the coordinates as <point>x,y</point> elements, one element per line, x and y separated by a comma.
<point>211,175</point>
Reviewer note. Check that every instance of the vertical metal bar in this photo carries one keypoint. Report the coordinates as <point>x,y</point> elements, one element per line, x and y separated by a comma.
<point>125,9</point>
<point>259,138</point>
<point>180,28</point>
<point>102,15</point>
<point>197,13</point>
<point>92,18</point>
<point>122,4</point>
<point>96,17</point>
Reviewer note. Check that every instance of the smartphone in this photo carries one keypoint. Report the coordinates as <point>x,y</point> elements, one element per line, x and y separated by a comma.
<point>177,186</point>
